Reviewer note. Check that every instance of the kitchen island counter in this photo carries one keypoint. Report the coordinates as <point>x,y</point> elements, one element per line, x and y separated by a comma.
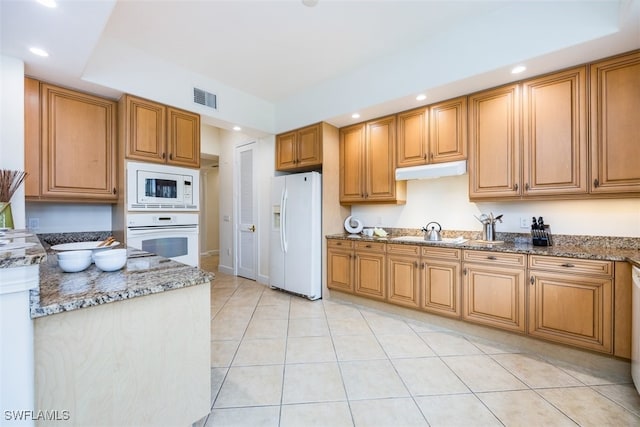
<point>144,274</point>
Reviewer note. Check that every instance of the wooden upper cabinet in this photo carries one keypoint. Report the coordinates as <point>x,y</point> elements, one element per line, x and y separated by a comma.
<point>380,160</point>
<point>352,170</point>
<point>412,138</point>
<point>77,145</point>
<point>32,156</point>
<point>183,138</point>
<point>555,133</point>
<point>300,149</point>
<point>494,143</point>
<point>433,134</point>
<point>615,128</point>
<point>448,131</point>
<point>156,133</point>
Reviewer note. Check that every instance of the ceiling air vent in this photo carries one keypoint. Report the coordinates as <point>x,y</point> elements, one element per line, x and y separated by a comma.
<point>205,98</point>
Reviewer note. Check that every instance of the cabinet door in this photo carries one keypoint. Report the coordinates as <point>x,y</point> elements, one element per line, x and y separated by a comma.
<point>412,138</point>
<point>309,148</point>
<point>403,280</point>
<point>183,143</point>
<point>78,145</point>
<point>340,269</point>
<point>441,287</point>
<point>380,160</point>
<point>571,309</point>
<point>352,140</point>
<point>615,131</point>
<point>448,131</point>
<point>286,151</point>
<point>145,127</point>
<point>369,277</point>
<point>32,137</point>
<point>555,133</point>
<point>494,296</point>
<point>494,143</point>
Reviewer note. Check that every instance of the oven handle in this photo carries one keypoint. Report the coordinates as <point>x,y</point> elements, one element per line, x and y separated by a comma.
<point>152,229</point>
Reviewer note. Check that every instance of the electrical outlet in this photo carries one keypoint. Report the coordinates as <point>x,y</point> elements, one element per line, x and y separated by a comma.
<point>34,224</point>
<point>525,222</point>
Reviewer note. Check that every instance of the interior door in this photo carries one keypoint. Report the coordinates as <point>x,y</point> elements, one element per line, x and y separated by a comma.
<point>247,214</point>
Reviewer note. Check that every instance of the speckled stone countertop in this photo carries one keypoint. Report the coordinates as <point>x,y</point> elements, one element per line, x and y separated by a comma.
<point>144,274</point>
<point>20,248</point>
<point>585,247</point>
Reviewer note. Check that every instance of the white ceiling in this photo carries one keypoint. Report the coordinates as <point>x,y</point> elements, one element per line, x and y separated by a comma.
<point>304,64</point>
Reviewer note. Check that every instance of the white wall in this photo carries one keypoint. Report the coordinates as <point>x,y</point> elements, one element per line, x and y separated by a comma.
<point>446,200</point>
<point>211,210</point>
<point>12,128</point>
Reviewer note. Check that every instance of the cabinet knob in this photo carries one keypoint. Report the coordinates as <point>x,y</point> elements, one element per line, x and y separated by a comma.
<point>526,186</point>
<point>532,280</point>
<point>431,156</point>
<point>491,257</point>
<point>569,265</point>
<point>464,271</point>
<point>423,265</point>
<point>368,246</point>
<point>415,264</point>
<point>339,244</point>
<point>596,183</point>
<point>164,155</point>
<point>114,190</point>
<point>515,186</point>
<point>171,156</point>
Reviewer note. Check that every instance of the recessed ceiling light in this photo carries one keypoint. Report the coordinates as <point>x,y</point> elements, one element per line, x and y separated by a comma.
<point>38,51</point>
<point>355,115</point>
<point>421,97</point>
<point>48,3</point>
<point>309,3</point>
<point>237,128</point>
<point>518,69</point>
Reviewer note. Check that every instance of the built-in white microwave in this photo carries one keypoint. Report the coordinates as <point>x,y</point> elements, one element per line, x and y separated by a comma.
<point>160,187</point>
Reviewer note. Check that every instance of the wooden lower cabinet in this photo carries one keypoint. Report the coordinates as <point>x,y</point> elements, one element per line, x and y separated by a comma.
<point>427,278</point>
<point>569,306</point>
<point>340,265</point>
<point>403,275</point>
<point>578,302</point>
<point>369,270</point>
<point>357,267</point>
<point>494,290</point>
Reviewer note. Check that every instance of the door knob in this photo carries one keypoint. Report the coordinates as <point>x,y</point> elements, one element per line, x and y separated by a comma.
<point>252,228</point>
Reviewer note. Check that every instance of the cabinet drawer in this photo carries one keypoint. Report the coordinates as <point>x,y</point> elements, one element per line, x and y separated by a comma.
<point>341,244</point>
<point>444,253</point>
<point>571,265</point>
<point>502,258</point>
<point>403,249</point>
<point>370,246</point>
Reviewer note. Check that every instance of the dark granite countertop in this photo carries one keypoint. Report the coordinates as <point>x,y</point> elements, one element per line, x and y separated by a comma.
<point>144,274</point>
<point>20,248</point>
<point>583,247</point>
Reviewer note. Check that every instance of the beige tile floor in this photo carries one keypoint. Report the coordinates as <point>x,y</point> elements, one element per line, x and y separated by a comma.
<point>281,360</point>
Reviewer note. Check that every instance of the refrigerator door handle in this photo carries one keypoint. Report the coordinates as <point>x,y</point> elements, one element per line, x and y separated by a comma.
<point>283,225</point>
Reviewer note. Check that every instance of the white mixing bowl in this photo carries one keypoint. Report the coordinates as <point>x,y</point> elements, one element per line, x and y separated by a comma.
<point>111,260</point>
<point>74,261</point>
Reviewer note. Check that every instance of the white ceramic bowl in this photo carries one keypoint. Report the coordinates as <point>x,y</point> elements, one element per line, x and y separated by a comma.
<point>74,261</point>
<point>110,260</point>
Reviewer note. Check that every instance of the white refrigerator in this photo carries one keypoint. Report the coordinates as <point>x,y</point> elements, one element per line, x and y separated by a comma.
<point>296,234</point>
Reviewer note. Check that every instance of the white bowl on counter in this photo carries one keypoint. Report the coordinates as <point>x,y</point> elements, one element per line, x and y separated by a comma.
<point>74,261</point>
<point>111,260</point>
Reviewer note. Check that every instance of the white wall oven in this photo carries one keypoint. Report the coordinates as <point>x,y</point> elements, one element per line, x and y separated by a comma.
<point>173,235</point>
<point>160,187</point>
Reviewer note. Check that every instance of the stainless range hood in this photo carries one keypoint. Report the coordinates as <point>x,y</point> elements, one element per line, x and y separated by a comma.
<point>432,171</point>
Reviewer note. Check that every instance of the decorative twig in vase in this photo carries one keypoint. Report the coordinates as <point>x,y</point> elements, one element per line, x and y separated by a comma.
<point>9,182</point>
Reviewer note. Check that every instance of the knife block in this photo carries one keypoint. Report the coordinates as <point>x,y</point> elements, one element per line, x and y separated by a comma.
<point>542,237</point>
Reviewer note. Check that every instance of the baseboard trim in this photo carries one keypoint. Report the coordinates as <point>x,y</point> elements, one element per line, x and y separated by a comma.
<point>225,269</point>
